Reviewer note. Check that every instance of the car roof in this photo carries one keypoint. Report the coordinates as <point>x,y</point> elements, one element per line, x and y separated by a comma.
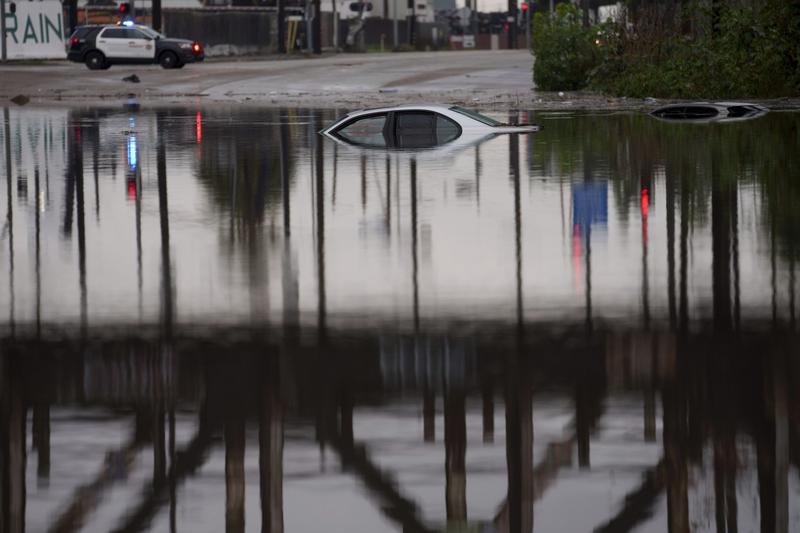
<point>115,26</point>
<point>402,107</point>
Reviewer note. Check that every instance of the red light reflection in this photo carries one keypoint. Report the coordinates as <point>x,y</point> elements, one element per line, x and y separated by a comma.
<point>198,127</point>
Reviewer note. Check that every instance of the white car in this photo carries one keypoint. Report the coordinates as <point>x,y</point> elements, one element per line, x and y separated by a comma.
<point>705,112</point>
<point>412,127</point>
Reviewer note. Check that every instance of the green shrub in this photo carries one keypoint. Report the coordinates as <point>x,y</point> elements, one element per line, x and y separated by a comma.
<point>673,50</point>
<point>750,52</point>
<point>565,51</point>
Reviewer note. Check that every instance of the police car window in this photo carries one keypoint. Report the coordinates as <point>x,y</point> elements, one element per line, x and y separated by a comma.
<point>114,33</point>
<point>446,130</point>
<point>135,34</point>
<point>151,32</point>
<point>82,32</point>
<point>366,131</point>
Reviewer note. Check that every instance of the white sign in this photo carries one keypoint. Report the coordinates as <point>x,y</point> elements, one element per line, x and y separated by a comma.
<point>35,31</point>
<point>469,41</point>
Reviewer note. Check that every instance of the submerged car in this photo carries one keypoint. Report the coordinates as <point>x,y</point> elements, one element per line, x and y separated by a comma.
<point>702,112</point>
<point>100,46</point>
<point>417,126</point>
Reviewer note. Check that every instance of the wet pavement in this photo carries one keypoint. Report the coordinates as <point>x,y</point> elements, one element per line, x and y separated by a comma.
<point>216,319</point>
<point>495,78</point>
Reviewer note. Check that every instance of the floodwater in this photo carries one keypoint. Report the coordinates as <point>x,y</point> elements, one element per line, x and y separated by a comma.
<point>216,319</point>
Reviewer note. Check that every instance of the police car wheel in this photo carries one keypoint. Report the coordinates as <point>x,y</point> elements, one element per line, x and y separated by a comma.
<point>95,60</point>
<point>168,60</point>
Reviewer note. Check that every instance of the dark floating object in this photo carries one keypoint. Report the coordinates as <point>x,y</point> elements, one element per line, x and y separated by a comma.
<point>703,112</point>
<point>20,99</point>
<point>133,78</point>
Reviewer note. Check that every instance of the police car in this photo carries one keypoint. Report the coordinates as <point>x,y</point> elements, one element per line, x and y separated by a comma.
<point>100,46</point>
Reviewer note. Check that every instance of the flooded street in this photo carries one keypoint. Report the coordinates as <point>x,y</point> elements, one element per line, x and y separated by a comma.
<point>216,319</point>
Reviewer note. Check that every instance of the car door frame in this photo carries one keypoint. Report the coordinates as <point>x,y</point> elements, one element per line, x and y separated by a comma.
<point>146,55</point>
<point>110,46</point>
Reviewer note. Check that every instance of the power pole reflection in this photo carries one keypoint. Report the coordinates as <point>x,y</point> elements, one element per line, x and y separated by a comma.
<point>12,449</point>
<point>167,290</point>
<point>270,456</point>
<point>519,416</point>
<point>80,215</point>
<point>455,442</point>
<point>414,259</point>
<point>320,205</point>
<point>9,220</point>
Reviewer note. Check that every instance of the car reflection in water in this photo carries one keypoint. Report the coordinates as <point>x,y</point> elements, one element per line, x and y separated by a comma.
<point>415,127</point>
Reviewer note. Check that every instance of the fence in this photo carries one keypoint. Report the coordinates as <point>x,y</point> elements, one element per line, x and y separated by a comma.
<point>247,31</point>
<point>224,32</point>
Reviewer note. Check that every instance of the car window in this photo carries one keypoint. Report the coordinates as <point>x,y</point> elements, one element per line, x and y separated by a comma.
<point>150,31</point>
<point>446,130</point>
<point>81,32</point>
<point>114,33</point>
<point>135,34</point>
<point>415,129</point>
<point>367,131</point>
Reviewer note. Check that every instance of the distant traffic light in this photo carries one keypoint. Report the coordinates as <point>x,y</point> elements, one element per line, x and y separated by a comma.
<point>524,6</point>
<point>124,9</point>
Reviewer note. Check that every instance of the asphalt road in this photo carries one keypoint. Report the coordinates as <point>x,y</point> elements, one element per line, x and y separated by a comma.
<point>486,77</point>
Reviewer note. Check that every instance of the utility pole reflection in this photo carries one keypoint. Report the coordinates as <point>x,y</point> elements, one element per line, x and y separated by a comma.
<point>722,193</point>
<point>683,309</point>
<point>320,204</point>
<point>288,269</point>
<point>9,220</point>
<point>78,170</point>
<point>414,259</point>
<point>270,455</point>
<point>455,442</point>
<point>519,417</point>
<point>12,449</point>
<point>234,472</point>
<point>519,444</point>
<point>38,252</point>
<point>772,447</point>
<point>167,291</point>
<point>670,185</point>
<point>513,147</point>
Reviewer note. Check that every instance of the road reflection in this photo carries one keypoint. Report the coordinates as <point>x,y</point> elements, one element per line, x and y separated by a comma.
<point>592,328</point>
